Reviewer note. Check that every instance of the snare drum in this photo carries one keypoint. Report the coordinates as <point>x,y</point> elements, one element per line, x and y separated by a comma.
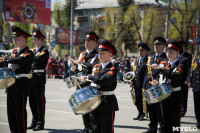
<point>158,93</point>
<point>7,78</point>
<point>85,100</point>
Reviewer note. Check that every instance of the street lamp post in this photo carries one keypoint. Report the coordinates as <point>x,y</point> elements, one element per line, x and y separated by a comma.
<point>197,33</point>
<point>167,19</point>
<point>71,28</point>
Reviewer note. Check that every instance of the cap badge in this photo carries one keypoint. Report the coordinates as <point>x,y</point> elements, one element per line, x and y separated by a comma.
<point>34,33</point>
<point>170,45</point>
<point>87,35</point>
<point>100,46</point>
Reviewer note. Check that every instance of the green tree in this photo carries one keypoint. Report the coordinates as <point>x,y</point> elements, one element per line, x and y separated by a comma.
<point>185,15</point>
<point>133,24</point>
<point>59,15</point>
<point>67,8</point>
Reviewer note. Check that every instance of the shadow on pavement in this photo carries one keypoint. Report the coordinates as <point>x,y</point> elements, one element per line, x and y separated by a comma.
<point>63,131</point>
<point>182,122</point>
<point>190,116</point>
<point>131,127</point>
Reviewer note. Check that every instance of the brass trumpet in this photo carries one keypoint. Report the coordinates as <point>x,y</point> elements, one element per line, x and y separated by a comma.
<point>128,77</point>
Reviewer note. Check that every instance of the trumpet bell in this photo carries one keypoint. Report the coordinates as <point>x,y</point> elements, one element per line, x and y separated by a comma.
<point>129,76</point>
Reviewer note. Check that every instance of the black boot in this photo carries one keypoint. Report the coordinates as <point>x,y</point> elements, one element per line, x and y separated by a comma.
<point>32,126</point>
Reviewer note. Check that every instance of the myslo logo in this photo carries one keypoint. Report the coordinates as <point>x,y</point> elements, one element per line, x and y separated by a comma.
<point>191,129</point>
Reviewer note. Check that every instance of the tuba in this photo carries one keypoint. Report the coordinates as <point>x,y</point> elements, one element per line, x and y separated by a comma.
<point>128,77</point>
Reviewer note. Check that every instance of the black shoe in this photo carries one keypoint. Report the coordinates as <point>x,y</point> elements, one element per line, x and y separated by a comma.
<point>182,114</point>
<point>160,130</point>
<point>31,126</point>
<point>85,131</point>
<point>138,117</point>
<point>198,125</point>
<point>150,131</point>
<point>38,127</point>
<point>141,118</point>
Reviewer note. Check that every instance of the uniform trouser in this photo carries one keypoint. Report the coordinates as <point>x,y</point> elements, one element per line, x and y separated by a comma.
<point>138,100</point>
<point>87,121</point>
<point>102,122</point>
<point>197,105</point>
<point>184,94</point>
<point>16,111</point>
<point>37,104</point>
<point>155,115</point>
<point>171,117</point>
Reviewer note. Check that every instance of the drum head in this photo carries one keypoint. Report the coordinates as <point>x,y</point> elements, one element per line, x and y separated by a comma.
<point>9,82</point>
<point>87,106</point>
<point>2,83</point>
<point>5,83</point>
<point>85,100</point>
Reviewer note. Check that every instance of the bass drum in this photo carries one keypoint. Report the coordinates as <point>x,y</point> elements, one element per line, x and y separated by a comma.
<point>158,93</point>
<point>7,78</point>
<point>85,100</point>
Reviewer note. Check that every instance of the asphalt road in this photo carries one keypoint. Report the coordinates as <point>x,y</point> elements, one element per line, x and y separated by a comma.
<point>60,118</point>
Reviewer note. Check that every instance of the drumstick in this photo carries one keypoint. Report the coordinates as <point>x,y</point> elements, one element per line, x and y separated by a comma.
<point>85,79</point>
<point>80,64</point>
<point>76,82</point>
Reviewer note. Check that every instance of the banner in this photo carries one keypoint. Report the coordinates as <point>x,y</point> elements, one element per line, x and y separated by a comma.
<point>28,11</point>
<point>193,32</point>
<point>62,36</point>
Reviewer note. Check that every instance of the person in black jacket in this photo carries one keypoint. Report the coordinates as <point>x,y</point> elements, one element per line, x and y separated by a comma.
<point>87,60</point>
<point>194,82</point>
<point>21,61</point>
<point>140,67</point>
<point>66,67</point>
<point>37,98</point>
<point>154,109</point>
<point>104,76</point>
<point>171,73</point>
<point>184,85</point>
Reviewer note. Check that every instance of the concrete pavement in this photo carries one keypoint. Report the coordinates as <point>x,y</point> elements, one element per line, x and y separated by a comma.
<point>61,119</point>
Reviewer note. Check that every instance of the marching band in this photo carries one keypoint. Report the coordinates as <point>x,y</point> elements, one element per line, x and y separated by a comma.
<point>159,84</point>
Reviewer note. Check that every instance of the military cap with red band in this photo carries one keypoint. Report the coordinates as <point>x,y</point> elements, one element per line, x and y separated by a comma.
<point>91,35</point>
<point>19,32</point>
<point>173,44</point>
<point>105,45</point>
<point>37,33</point>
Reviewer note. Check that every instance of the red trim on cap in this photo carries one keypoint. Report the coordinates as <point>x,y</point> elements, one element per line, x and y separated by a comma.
<point>91,36</point>
<point>37,34</point>
<point>106,47</point>
<point>22,34</point>
<point>173,46</point>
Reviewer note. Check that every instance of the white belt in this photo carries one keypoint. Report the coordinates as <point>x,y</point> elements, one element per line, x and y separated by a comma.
<point>38,70</point>
<point>176,89</point>
<point>106,92</point>
<point>93,85</point>
<point>21,75</point>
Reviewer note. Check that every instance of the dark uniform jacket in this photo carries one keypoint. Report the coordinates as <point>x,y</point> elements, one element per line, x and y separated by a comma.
<point>186,56</point>
<point>195,77</point>
<point>106,80</point>
<point>150,71</point>
<point>39,63</point>
<point>173,77</point>
<point>88,61</point>
<point>139,70</point>
<point>20,64</point>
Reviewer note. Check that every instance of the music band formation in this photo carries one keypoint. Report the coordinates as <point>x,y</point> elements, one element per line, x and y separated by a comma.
<point>158,84</point>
